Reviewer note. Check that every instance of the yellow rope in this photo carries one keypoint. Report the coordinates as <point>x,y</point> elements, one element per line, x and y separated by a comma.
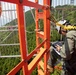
<point>69,27</point>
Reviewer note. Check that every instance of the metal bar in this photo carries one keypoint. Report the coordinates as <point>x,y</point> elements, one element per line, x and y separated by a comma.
<point>15,44</point>
<point>46,34</point>
<point>11,1</point>
<point>21,29</point>
<point>9,30</point>
<point>37,28</point>
<point>40,34</point>
<point>17,68</point>
<point>6,37</point>
<point>13,56</point>
<point>35,61</point>
<point>22,37</point>
<point>32,13</point>
<point>16,30</point>
<point>10,56</point>
<point>32,4</point>
<point>35,50</point>
<point>9,26</point>
<point>40,15</point>
<point>26,3</point>
<point>40,72</point>
<point>8,10</point>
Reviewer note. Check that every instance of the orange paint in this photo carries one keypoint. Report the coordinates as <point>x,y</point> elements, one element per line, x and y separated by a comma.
<point>42,49</point>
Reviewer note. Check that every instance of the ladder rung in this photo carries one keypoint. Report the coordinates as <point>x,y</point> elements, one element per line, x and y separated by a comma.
<point>40,72</point>
<point>40,34</point>
<point>40,15</point>
<point>36,59</point>
<point>41,64</point>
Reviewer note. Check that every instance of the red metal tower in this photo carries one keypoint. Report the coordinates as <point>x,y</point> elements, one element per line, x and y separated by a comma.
<point>42,49</point>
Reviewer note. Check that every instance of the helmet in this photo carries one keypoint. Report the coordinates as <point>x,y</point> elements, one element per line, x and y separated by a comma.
<point>64,22</point>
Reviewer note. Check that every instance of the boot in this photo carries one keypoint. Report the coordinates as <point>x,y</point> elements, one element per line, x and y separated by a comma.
<point>50,69</point>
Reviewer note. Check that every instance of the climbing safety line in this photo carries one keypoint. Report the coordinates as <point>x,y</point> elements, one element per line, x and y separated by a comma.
<point>69,27</point>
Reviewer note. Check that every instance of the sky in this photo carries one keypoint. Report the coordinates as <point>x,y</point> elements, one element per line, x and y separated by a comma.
<point>10,15</point>
<point>7,16</point>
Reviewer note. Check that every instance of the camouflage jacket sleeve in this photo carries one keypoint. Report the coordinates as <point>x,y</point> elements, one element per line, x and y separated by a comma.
<point>68,46</point>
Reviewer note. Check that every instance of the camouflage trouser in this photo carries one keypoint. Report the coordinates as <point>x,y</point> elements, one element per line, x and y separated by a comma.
<point>64,70</point>
<point>54,59</point>
<point>68,69</point>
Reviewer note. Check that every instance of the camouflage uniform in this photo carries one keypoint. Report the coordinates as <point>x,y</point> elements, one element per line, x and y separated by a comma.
<point>67,53</point>
<point>69,45</point>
